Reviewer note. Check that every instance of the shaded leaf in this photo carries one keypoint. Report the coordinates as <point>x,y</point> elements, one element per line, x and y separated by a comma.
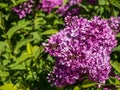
<point>89,85</point>
<point>21,24</point>
<point>21,59</point>
<point>116,48</point>
<point>116,65</point>
<point>21,43</point>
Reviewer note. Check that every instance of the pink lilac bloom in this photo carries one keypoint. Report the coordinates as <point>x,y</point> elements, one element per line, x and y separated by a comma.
<point>82,49</point>
<point>23,9</point>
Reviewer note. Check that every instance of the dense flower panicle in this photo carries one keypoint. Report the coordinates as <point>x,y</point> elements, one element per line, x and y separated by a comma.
<point>81,49</point>
<point>114,23</point>
<point>48,5</point>
<point>64,9</point>
<point>23,9</point>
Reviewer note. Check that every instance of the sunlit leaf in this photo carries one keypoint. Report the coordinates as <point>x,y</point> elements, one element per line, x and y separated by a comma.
<point>76,88</point>
<point>8,87</point>
<point>29,48</point>
<point>4,73</point>
<point>51,31</point>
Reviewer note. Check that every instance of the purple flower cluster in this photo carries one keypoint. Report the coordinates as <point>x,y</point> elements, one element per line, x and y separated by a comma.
<point>23,9</point>
<point>82,49</point>
<point>115,23</point>
<point>64,9</point>
<point>48,5</point>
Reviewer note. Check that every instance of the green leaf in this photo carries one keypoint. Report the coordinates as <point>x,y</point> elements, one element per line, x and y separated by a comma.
<point>19,67</point>
<point>76,88</point>
<point>21,24</point>
<point>2,67</point>
<point>2,47</point>
<point>57,22</point>
<point>4,74</point>
<point>118,35</point>
<point>36,51</point>
<point>14,2</point>
<point>21,43</point>
<point>48,32</point>
<point>29,48</point>
<point>21,59</point>
<point>3,5</point>
<point>116,48</point>
<point>8,87</point>
<point>20,1</point>
<point>116,65</point>
<point>89,85</point>
<point>103,2</point>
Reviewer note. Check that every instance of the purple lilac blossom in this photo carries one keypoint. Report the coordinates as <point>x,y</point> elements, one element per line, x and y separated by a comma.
<point>23,9</point>
<point>81,49</point>
<point>48,5</point>
<point>64,9</point>
<point>115,23</point>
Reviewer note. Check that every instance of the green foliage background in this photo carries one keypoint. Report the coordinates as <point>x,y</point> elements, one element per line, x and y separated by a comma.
<point>23,64</point>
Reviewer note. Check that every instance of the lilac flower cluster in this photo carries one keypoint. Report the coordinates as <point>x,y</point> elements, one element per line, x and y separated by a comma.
<point>115,23</point>
<point>23,9</point>
<point>82,49</point>
<point>48,5</point>
<point>64,9</point>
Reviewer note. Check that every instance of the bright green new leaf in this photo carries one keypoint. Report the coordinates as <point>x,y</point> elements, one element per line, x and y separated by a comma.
<point>29,48</point>
<point>36,51</point>
<point>48,32</point>
<point>76,88</point>
<point>8,87</point>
